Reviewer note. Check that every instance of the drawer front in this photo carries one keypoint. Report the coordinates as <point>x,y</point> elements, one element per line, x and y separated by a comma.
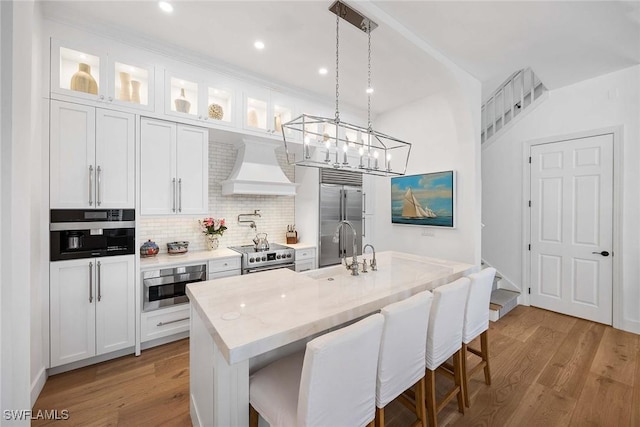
<point>220,274</point>
<point>224,264</point>
<point>163,323</point>
<point>305,265</point>
<point>305,254</point>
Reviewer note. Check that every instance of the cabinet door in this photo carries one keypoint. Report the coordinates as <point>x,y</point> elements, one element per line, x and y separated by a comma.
<point>72,156</point>
<point>157,167</point>
<point>257,116</point>
<point>115,309</point>
<point>78,70</point>
<point>72,310</point>
<point>115,159</point>
<point>192,170</point>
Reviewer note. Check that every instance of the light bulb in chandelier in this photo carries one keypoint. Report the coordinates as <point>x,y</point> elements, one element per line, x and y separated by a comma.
<point>369,90</point>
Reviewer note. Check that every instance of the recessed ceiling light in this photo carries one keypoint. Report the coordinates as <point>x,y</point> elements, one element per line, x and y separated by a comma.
<point>258,45</point>
<point>323,71</point>
<point>165,6</point>
<point>369,90</point>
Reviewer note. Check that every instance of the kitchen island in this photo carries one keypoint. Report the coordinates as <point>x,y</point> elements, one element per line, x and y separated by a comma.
<point>239,324</point>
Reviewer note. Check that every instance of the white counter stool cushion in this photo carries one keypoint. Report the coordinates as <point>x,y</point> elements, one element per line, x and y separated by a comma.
<point>444,339</point>
<point>476,323</point>
<point>337,380</point>
<point>402,353</point>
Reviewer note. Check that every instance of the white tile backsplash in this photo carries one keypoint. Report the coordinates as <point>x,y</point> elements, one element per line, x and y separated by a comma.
<point>276,211</point>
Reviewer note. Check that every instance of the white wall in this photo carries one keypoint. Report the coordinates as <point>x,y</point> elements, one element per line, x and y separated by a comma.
<point>444,130</point>
<point>609,100</point>
<point>17,166</point>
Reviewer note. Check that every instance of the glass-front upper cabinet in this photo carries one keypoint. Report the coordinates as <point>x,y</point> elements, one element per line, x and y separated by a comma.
<point>97,75</point>
<point>206,98</point>
<point>265,111</point>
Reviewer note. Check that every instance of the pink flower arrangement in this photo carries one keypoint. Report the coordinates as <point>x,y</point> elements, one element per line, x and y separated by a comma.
<point>212,226</point>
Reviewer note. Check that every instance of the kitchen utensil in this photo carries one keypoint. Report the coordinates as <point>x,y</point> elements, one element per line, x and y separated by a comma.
<point>149,249</point>
<point>262,244</point>
<point>175,248</point>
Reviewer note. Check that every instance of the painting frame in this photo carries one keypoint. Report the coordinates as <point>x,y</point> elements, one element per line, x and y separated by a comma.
<point>426,200</point>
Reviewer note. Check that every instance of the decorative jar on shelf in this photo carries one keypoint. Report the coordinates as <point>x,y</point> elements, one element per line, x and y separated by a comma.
<point>125,86</point>
<point>212,241</point>
<point>135,91</point>
<point>181,102</point>
<point>83,81</point>
<point>216,112</point>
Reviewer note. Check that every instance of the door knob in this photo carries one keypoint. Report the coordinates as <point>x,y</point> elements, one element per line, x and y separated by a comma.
<point>603,253</point>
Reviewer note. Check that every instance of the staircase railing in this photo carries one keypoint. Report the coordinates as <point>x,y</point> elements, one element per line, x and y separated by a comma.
<point>509,100</point>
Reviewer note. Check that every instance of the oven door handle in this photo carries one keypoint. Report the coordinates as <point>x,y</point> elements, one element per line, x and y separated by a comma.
<point>269,267</point>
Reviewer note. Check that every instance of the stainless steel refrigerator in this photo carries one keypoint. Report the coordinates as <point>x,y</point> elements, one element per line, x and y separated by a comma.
<point>337,203</point>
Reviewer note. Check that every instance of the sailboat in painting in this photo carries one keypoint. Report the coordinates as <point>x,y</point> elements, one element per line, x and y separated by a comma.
<point>411,208</point>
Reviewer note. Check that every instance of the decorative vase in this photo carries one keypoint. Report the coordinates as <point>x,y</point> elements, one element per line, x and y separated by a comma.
<point>212,242</point>
<point>125,86</point>
<point>277,122</point>
<point>83,81</point>
<point>252,118</point>
<point>135,91</point>
<point>182,105</point>
<point>216,111</point>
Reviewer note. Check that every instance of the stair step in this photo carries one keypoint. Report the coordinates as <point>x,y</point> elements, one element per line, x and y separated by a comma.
<point>502,302</point>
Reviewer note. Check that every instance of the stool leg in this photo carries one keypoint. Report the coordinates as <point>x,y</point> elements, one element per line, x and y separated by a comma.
<point>421,409</point>
<point>253,417</point>
<point>465,376</point>
<point>484,348</point>
<point>379,417</point>
<point>457,375</point>
<point>431,398</point>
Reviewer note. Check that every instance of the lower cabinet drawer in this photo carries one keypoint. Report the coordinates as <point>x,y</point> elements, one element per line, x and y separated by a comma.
<point>220,274</point>
<point>224,264</point>
<point>305,254</point>
<point>305,265</point>
<point>164,322</point>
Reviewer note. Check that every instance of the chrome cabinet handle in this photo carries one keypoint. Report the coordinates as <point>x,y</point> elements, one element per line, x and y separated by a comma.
<point>364,226</point>
<point>364,202</point>
<point>90,282</point>
<point>174,194</point>
<point>99,179</point>
<point>90,185</point>
<point>99,282</point>
<point>171,321</point>
<point>180,195</point>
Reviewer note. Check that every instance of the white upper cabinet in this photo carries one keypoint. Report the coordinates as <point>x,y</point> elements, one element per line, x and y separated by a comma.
<point>266,110</point>
<point>92,157</point>
<point>174,170</point>
<point>206,97</point>
<point>88,73</point>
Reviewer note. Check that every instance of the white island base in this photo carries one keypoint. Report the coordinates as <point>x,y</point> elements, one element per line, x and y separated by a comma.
<point>240,324</point>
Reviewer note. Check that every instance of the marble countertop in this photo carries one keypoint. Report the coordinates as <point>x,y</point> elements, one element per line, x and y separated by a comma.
<point>165,260</point>
<point>253,314</point>
<point>298,246</point>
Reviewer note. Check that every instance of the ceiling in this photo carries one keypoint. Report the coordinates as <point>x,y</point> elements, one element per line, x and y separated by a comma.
<point>564,42</point>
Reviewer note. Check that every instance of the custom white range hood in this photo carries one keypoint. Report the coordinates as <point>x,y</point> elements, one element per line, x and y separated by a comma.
<point>257,171</point>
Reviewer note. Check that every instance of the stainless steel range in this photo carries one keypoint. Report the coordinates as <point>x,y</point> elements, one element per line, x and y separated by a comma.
<point>277,256</point>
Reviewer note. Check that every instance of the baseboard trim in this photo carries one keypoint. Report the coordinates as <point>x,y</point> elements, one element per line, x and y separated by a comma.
<point>38,384</point>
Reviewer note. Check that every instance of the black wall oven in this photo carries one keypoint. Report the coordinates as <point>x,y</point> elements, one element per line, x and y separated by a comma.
<point>77,233</point>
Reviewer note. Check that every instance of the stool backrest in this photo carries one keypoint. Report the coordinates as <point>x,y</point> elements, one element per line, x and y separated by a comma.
<point>402,350</point>
<point>338,382</point>
<point>444,336</point>
<point>476,319</point>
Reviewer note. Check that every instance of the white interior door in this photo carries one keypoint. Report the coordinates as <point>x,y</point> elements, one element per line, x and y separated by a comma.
<point>572,227</point>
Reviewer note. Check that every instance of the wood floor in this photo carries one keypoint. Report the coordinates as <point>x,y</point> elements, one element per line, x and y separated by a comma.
<point>547,369</point>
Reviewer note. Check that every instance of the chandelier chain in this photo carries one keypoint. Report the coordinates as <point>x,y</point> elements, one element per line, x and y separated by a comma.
<point>369,77</point>
<point>338,10</point>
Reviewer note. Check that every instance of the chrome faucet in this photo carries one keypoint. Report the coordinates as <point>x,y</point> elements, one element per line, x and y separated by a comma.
<point>336,238</point>
<point>373,264</point>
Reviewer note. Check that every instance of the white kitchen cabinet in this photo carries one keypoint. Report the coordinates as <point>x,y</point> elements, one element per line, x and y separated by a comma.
<point>223,267</point>
<point>92,309</point>
<point>211,98</point>
<point>306,259</point>
<point>120,79</point>
<point>164,322</point>
<point>266,110</point>
<point>92,157</point>
<point>174,168</point>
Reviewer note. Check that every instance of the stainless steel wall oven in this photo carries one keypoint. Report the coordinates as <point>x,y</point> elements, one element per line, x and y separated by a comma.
<point>167,287</point>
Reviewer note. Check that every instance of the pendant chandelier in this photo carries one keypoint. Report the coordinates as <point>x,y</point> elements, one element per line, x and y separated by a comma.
<point>332,143</point>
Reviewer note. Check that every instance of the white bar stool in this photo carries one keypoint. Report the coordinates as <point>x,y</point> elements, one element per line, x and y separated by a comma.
<point>476,322</point>
<point>333,383</point>
<point>444,339</point>
<point>402,355</point>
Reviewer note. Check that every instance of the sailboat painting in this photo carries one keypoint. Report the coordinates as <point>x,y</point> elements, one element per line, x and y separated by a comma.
<point>426,199</point>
